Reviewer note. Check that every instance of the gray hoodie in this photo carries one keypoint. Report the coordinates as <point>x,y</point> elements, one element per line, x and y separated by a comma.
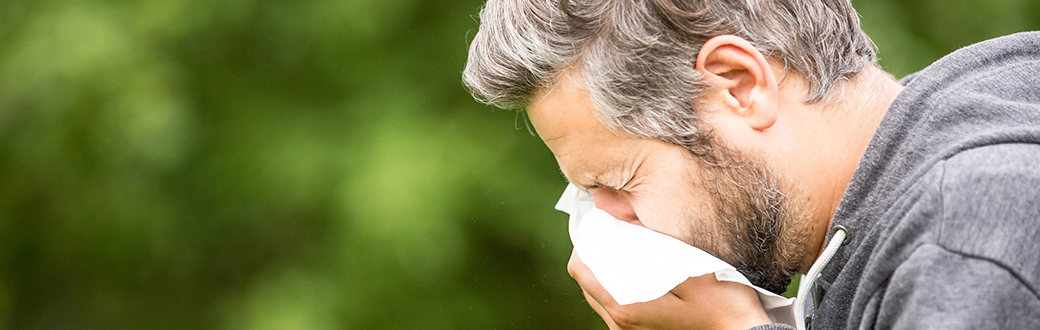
<point>944,207</point>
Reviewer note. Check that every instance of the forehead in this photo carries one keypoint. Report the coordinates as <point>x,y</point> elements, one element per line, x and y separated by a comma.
<point>565,119</point>
<point>564,109</point>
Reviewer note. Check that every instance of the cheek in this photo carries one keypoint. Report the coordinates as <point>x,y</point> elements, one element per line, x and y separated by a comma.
<point>667,195</point>
<point>662,214</point>
<point>680,213</point>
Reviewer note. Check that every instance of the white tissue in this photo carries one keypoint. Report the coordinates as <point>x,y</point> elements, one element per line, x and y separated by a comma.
<point>636,264</point>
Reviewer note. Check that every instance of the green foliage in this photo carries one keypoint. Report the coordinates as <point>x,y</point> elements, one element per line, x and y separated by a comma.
<point>312,164</point>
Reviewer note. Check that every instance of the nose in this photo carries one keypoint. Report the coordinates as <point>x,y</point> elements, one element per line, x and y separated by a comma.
<point>614,203</point>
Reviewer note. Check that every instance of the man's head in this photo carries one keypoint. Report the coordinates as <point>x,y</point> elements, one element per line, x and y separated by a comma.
<point>720,200</point>
<point>670,112</point>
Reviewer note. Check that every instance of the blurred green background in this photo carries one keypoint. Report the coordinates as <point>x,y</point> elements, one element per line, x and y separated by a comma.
<point>307,164</point>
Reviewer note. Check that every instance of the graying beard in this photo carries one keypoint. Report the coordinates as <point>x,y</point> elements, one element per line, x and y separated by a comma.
<point>749,204</point>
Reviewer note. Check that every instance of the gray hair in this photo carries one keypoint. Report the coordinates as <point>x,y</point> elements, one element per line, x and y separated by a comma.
<point>637,58</point>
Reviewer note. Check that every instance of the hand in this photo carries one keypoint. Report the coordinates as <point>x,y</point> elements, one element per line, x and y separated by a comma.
<point>698,303</point>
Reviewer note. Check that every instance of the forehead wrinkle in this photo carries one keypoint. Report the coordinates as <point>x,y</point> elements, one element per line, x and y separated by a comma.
<point>546,141</point>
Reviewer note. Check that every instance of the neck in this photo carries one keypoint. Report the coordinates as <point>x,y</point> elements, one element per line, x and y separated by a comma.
<point>845,129</point>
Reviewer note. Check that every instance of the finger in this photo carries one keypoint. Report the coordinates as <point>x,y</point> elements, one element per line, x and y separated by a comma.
<point>583,275</point>
<point>599,310</point>
<point>740,308</point>
<point>709,285</point>
<point>697,286</point>
<point>628,316</point>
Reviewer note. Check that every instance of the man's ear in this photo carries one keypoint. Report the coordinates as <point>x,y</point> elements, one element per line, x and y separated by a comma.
<point>746,80</point>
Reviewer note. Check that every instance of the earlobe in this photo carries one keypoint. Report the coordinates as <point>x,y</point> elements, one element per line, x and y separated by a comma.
<point>743,76</point>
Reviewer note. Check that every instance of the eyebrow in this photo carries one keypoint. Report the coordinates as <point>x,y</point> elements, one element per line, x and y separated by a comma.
<point>593,185</point>
<point>596,183</point>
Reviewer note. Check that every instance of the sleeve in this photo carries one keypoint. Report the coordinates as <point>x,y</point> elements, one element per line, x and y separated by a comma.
<point>941,289</point>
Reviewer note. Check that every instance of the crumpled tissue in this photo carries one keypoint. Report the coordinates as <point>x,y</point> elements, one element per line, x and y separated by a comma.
<point>637,264</point>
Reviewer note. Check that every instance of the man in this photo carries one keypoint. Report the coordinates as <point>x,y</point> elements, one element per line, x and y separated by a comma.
<point>751,128</point>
